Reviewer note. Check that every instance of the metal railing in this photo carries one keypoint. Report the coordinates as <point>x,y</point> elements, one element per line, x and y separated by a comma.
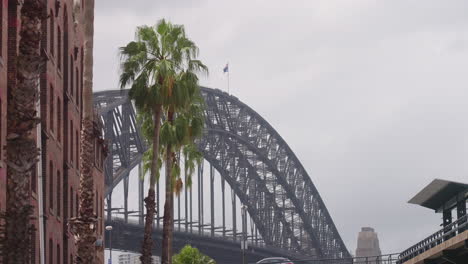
<point>198,230</point>
<point>444,234</point>
<point>382,259</point>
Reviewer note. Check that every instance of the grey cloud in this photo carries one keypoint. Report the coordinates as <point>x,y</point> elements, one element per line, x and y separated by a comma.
<point>370,95</point>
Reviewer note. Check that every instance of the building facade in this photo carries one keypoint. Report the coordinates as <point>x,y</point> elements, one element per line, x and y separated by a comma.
<point>61,104</point>
<point>368,243</point>
<point>135,259</point>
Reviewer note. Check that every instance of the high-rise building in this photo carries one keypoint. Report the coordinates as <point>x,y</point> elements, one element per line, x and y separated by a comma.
<point>61,104</point>
<point>368,243</point>
<point>135,259</point>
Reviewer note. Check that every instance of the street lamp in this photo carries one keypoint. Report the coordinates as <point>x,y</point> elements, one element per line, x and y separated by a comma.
<point>109,228</point>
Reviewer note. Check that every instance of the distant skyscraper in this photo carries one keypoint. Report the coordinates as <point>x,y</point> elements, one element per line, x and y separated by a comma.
<point>368,243</point>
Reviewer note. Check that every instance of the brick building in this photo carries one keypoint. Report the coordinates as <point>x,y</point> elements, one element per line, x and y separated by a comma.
<point>61,86</point>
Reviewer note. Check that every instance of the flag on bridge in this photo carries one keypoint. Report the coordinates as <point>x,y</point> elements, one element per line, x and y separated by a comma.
<point>226,70</point>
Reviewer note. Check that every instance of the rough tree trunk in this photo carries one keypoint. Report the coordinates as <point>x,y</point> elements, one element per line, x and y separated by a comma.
<point>84,225</point>
<point>146,248</point>
<point>22,151</point>
<point>168,223</point>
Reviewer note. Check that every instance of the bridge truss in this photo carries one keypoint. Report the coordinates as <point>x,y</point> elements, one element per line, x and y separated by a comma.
<point>264,174</point>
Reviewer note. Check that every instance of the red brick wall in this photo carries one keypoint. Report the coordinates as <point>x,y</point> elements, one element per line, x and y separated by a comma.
<point>61,103</point>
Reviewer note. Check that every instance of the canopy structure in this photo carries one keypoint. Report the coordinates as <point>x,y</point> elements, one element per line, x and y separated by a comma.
<point>441,195</point>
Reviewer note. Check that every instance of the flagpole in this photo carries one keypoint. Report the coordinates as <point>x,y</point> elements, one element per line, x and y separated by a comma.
<point>228,80</point>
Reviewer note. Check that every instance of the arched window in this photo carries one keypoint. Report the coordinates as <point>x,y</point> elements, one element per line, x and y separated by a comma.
<point>77,84</point>
<point>77,149</point>
<point>71,142</point>
<point>72,212</point>
<point>59,120</point>
<point>59,193</point>
<point>51,251</point>
<point>72,80</point>
<point>97,206</point>
<point>51,108</point>
<point>51,33</point>
<point>51,185</point>
<point>77,201</point>
<point>33,244</point>
<point>34,179</point>
<point>59,48</point>
<point>58,254</point>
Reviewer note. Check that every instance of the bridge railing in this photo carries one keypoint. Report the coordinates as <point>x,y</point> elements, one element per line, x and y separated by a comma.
<point>382,259</point>
<point>196,231</point>
<point>444,234</point>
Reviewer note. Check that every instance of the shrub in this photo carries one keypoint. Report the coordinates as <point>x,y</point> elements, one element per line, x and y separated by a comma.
<point>190,255</point>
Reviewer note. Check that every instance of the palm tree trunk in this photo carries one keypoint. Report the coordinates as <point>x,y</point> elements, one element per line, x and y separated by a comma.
<point>147,246</point>
<point>84,225</point>
<point>168,224</point>
<point>22,151</point>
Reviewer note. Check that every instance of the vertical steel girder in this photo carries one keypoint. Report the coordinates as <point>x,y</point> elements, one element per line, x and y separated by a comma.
<point>122,133</point>
<point>251,157</point>
<point>228,119</point>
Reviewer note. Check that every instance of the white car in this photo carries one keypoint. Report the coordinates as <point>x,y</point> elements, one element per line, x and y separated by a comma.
<point>275,260</point>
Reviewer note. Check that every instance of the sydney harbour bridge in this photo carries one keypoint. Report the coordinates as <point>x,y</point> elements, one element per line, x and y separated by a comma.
<point>247,165</point>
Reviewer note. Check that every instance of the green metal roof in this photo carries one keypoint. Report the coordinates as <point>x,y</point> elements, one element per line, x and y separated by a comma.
<point>440,194</point>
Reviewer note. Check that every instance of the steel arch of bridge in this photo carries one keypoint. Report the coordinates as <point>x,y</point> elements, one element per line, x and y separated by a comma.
<point>251,156</point>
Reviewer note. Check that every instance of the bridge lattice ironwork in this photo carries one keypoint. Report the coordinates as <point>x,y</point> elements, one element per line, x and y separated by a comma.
<point>251,157</point>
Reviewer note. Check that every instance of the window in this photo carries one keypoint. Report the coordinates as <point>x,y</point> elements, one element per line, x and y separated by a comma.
<point>72,89</point>
<point>96,207</point>
<point>72,212</point>
<point>59,120</point>
<point>59,193</point>
<point>51,252</point>
<point>58,254</point>
<point>51,185</point>
<point>71,142</point>
<point>33,244</point>
<point>101,210</point>
<point>77,84</point>
<point>59,48</point>
<point>51,108</point>
<point>34,179</point>
<point>77,140</point>
<point>52,36</point>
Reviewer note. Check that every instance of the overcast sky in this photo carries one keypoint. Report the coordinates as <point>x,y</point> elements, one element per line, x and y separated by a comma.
<point>371,95</point>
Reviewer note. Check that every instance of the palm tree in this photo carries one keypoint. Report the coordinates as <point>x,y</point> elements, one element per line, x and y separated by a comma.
<point>178,134</point>
<point>149,65</point>
<point>161,70</point>
<point>21,149</point>
<point>83,226</point>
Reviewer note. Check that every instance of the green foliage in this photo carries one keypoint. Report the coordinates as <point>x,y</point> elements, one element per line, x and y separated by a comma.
<point>161,68</point>
<point>190,255</point>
